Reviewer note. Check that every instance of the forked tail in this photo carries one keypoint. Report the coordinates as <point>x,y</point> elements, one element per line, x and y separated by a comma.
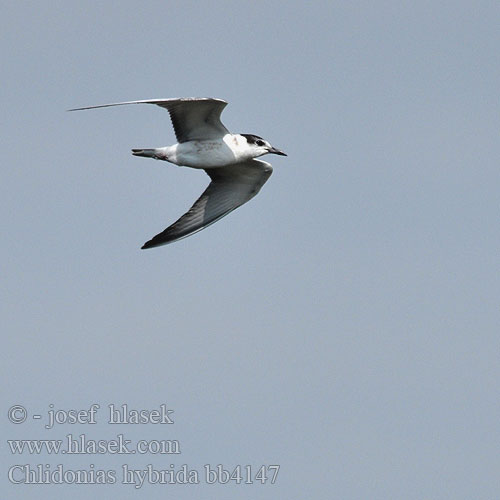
<point>148,153</point>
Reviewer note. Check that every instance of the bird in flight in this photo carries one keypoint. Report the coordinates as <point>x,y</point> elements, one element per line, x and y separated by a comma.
<point>205,143</point>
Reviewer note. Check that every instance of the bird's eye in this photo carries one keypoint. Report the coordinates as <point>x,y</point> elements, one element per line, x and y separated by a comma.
<point>260,143</point>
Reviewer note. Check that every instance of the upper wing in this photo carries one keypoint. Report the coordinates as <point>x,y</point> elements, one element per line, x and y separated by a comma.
<point>231,187</point>
<point>193,118</point>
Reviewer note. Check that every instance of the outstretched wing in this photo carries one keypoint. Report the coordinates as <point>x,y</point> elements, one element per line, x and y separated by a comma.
<point>231,187</point>
<point>193,118</point>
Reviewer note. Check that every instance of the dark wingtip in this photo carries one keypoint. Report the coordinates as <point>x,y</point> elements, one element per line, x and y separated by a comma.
<point>156,242</point>
<point>150,244</point>
<point>77,109</point>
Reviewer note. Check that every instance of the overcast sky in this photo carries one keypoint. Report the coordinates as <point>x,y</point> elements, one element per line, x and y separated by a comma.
<point>344,324</point>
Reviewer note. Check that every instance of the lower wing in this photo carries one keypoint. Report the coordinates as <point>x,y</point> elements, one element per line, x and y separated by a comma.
<point>231,187</point>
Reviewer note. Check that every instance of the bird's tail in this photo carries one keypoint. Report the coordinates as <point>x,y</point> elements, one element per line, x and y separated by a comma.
<point>148,153</point>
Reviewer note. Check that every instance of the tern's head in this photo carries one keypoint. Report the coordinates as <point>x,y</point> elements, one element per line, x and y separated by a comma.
<point>259,146</point>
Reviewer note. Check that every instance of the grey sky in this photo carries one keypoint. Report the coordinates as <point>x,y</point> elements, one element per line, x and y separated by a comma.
<point>343,324</point>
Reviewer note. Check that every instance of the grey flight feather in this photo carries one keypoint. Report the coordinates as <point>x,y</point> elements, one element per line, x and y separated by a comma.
<point>231,187</point>
<point>193,118</point>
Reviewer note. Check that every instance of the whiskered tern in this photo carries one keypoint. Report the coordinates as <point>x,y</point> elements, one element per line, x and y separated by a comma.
<point>205,143</point>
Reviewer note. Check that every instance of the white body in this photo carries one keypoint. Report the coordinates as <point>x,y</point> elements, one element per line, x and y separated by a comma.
<point>230,149</point>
